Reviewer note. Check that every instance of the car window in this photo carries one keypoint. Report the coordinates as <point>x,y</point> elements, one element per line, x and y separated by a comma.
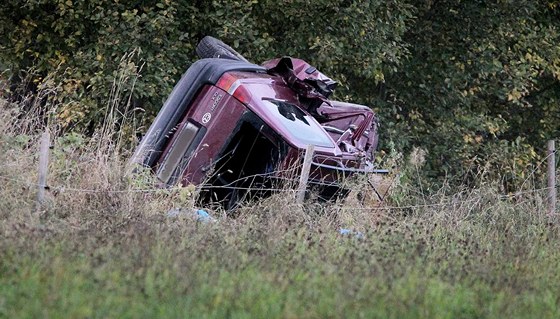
<point>302,126</point>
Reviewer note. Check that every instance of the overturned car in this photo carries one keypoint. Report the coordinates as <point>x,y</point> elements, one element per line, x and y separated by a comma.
<point>236,128</point>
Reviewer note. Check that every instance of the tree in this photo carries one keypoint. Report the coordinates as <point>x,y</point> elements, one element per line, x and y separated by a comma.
<point>475,83</point>
<point>481,87</point>
<point>81,47</point>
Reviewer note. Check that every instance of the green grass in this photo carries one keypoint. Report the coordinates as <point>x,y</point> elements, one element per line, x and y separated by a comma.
<point>113,254</point>
<point>57,282</point>
<point>237,269</point>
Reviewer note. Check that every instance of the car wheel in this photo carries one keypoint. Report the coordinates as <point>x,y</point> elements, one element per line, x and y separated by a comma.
<point>210,47</point>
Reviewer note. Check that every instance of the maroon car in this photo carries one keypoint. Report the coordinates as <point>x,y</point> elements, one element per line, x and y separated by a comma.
<point>231,126</point>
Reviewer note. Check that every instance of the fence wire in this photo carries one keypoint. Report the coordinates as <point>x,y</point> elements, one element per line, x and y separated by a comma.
<point>379,206</point>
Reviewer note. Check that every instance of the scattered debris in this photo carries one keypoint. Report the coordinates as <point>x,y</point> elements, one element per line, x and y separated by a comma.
<point>199,214</point>
<point>349,232</point>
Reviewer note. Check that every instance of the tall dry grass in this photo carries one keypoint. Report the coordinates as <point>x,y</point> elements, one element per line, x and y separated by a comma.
<point>103,246</point>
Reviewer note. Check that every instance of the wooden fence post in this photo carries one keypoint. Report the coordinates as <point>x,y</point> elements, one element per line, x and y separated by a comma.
<point>304,177</point>
<point>551,177</point>
<point>43,168</point>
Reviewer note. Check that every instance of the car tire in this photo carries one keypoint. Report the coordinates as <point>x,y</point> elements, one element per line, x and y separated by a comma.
<point>210,47</point>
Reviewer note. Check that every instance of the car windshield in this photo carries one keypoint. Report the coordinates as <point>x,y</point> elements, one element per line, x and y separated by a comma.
<point>302,126</point>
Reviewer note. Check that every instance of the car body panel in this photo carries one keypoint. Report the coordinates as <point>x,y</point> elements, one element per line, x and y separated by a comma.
<point>228,120</point>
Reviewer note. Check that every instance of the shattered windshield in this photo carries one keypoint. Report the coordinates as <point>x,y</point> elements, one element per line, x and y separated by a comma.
<point>302,126</point>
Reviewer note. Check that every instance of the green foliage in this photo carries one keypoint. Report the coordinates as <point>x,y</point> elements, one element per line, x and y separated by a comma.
<point>474,83</point>
<point>88,45</point>
<point>481,87</point>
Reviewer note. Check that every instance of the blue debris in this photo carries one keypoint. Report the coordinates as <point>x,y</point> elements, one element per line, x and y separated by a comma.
<point>200,214</point>
<point>203,216</point>
<point>349,232</point>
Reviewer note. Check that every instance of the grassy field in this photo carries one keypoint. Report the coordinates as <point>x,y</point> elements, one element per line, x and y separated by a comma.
<point>101,249</point>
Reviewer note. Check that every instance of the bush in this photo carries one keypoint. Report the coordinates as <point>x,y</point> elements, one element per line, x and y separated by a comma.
<point>79,48</point>
<point>468,82</point>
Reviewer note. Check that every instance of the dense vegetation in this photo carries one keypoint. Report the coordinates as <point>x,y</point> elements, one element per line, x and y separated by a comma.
<point>474,83</point>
